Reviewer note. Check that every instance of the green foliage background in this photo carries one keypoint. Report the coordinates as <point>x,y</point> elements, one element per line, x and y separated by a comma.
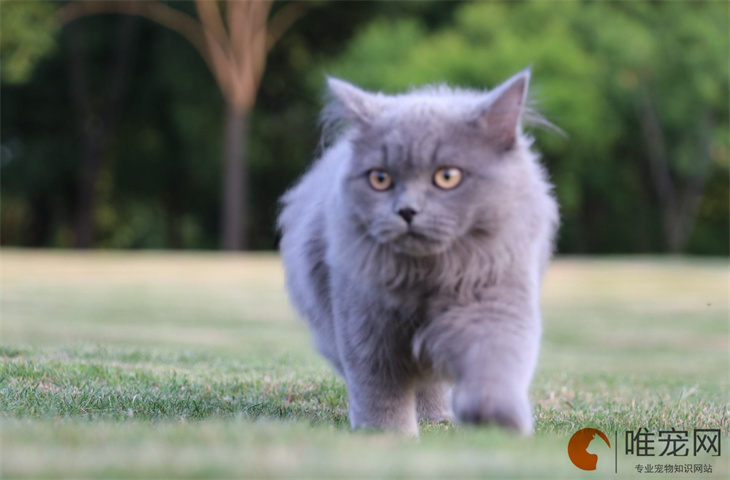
<point>160,182</point>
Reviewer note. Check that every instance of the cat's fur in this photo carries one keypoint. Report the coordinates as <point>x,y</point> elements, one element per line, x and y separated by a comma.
<point>445,318</point>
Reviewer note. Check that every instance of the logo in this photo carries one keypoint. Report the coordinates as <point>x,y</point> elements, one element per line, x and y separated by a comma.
<point>650,451</point>
<point>578,448</point>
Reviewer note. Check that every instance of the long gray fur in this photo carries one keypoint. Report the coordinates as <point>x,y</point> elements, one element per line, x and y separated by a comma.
<point>438,318</point>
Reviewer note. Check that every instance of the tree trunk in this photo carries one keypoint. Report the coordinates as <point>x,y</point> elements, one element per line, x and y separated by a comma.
<point>234,208</point>
<point>691,195</point>
<point>659,168</point>
<point>89,138</point>
<point>96,129</point>
<point>90,166</point>
<point>678,202</point>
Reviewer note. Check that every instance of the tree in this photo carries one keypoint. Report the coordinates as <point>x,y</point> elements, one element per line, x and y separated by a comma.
<point>158,188</point>
<point>678,90</point>
<point>95,128</point>
<point>26,36</point>
<point>235,50</point>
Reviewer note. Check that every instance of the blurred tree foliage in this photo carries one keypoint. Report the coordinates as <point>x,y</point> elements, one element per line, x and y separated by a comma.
<point>26,35</point>
<point>640,88</point>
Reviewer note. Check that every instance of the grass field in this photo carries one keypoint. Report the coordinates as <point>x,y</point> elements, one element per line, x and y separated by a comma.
<point>153,365</point>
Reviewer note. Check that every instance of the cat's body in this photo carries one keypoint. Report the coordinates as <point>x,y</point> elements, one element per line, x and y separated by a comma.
<point>415,248</point>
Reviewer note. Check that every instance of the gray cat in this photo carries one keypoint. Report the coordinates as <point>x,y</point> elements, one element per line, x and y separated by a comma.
<point>415,247</point>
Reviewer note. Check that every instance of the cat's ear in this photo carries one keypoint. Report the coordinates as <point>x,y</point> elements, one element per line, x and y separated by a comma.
<point>355,104</point>
<point>500,116</point>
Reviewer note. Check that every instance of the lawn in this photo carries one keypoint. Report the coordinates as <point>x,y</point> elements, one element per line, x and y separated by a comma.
<point>150,365</point>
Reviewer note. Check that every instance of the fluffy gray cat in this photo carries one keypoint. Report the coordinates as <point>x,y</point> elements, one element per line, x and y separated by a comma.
<point>415,247</point>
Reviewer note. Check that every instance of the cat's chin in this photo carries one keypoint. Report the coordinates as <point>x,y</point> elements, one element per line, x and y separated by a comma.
<point>416,245</point>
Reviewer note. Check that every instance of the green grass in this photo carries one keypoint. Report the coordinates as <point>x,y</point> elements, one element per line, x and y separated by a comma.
<point>148,365</point>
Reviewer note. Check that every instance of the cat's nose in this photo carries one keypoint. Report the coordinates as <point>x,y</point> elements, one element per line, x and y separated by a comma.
<point>407,214</point>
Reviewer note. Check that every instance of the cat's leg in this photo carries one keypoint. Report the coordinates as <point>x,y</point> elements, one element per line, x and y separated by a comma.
<point>379,404</point>
<point>490,350</point>
<point>376,358</point>
<point>433,402</point>
<point>381,394</point>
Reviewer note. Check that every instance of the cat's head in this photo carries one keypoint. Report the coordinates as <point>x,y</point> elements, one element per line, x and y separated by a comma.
<point>433,165</point>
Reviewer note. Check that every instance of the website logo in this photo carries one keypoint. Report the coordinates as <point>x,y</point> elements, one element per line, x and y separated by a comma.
<point>578,448</point>
<point>650,451</point>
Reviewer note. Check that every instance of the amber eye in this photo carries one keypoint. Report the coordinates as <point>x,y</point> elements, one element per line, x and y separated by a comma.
<point>380,179</point>
<point>447,178</point>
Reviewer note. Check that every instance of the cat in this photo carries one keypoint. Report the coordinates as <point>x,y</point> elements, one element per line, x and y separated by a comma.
<point>415,248</point>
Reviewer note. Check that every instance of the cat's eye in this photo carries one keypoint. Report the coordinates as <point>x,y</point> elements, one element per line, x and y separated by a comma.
<point>380,179</point>
<point>447,178</point>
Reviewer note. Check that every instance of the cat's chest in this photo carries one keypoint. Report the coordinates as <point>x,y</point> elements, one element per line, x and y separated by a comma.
<point>440,287</point>
<point>418,306</point>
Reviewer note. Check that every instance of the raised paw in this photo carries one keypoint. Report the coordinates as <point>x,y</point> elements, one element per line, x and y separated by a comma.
<point>477,406</point>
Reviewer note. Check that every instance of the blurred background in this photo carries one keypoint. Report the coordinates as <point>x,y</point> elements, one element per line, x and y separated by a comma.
<point>177,125</point>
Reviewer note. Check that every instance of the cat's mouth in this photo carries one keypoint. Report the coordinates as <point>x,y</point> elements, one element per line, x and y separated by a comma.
<point>411,241</point>
<point>418,236</point>
<point>414,243</point>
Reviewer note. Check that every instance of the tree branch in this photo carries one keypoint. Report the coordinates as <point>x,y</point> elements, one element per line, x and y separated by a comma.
<point>248,47</point>
<point>236,14</point>
<point>259,16</point>
<point>282,20</point>
<point>210,17</point>
<point>175,20</point>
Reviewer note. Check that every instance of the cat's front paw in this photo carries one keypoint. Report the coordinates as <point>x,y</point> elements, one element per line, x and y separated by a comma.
<point>475,405</point>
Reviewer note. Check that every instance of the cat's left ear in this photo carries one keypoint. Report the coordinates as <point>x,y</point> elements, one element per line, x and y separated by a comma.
<point>356,105</point>
<point>500,116</point>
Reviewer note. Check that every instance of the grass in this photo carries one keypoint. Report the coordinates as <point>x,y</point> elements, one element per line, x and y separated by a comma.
<point>145,365</point>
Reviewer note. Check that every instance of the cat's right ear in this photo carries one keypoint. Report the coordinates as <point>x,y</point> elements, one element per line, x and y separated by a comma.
<point>355,105</point>
<point>501,117</point>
